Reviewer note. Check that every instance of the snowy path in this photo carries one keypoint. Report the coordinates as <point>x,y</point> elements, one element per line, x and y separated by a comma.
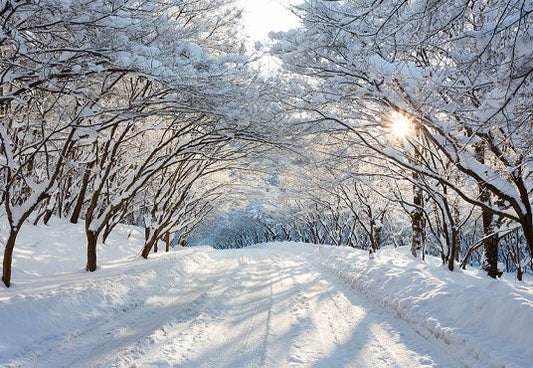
<point>247,308</point>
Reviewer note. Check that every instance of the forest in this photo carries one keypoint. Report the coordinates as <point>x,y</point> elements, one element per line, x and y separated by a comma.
<point>371,124</point>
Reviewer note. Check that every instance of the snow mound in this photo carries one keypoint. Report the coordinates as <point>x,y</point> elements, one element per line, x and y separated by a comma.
<point>59,248</point>
<point>477,320</point>
<point>53,298</point>
<point>481,321</point>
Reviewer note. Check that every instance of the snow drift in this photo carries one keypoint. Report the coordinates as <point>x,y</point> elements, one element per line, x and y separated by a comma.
<point>477,320</point>
<point>53,297</point>
<point>482,321</point>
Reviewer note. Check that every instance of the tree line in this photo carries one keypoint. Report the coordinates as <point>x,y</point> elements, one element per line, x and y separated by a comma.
<point>413,124</point>
<point>387,124</point>
<point>120,111</point>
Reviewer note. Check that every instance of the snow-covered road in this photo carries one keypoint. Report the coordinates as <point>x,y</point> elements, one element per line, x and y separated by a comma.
<point>246,308</point>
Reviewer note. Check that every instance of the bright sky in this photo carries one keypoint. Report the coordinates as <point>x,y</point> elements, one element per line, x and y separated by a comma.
<point>262,16</point>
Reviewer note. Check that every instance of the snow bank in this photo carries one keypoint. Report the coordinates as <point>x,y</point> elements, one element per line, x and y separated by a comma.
<point>52,297</point>
<point>481,321</point>
<point>60,248</point>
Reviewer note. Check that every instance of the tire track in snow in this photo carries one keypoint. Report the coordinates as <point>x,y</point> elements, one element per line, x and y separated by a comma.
<point>332,326</point>
<point>390,341</point>
<point>264,309</point>
<point>232,327</point>
<point>245,326</point>
<point>321,334</point>
<point>186,332</point>
<point>142,323</point>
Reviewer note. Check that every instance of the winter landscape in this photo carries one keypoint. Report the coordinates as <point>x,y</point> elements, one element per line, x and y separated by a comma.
<point>264,183</point>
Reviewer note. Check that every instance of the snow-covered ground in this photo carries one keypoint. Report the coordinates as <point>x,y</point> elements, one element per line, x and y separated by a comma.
<point>60,248</point>
<point>478,320</point>
<point>272,305</point>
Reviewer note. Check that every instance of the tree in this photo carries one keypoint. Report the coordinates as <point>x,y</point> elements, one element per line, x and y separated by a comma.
<point>105,91</point>
<point>431,63</point>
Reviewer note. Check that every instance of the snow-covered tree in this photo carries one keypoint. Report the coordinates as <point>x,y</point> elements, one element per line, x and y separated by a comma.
<point>451,78</point>
<point>100,97</point>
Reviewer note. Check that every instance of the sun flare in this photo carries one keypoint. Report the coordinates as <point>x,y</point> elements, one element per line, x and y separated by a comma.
<point>400,125</point>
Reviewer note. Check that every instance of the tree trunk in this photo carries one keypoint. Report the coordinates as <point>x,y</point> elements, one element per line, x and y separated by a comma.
<point>490,242</point>
<point>148,247</point>
<point>81,197</point>
<point>490,247</point>
<point>47,216</point>
<point>38,218</point>
<point>527,228</point>
<point>372,235</point>
<point>372,252</point>
<point>109,229</point>
<point>418,223</point>
<point>92,240</point>
<point>519,273</point>
<point>456,232</point>
<point>8,257</point>
<point>417,220</point>
<point>167,246</point>
<point>454,248</point>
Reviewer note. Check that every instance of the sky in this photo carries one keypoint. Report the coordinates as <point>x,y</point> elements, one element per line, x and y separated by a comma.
<point>263,16</point>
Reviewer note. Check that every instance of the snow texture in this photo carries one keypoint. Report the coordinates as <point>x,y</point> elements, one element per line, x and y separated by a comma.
<point>271,305</point>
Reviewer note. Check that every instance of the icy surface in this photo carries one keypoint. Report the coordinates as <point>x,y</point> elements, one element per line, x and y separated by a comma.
<point>273,305</point>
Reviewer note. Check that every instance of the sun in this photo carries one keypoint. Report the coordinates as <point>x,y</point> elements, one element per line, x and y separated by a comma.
<point>400,124</point>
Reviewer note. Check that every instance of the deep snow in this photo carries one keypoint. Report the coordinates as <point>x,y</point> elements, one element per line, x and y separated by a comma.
<point>272,305</point>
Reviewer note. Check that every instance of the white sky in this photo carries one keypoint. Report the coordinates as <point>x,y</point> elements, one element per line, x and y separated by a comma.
<point>262,16</point>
